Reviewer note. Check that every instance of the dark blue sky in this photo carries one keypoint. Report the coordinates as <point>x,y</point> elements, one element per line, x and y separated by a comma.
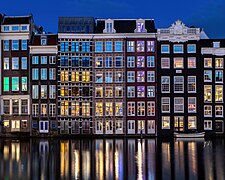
<point>208,14</point>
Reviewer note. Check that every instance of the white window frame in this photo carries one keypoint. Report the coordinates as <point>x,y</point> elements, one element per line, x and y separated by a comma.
<point>165,104</point>
<point>175,105</point>
<point>165,59</point>
<point>210,110</point>
<point>178,83</point>
<point>194,105</point>
<point>209,127</point>
<point>219,111</point>
<point>168,77</point>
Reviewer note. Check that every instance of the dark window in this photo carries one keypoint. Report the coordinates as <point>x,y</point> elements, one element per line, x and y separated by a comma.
<point>85,91</point>
<point>85,61</point>
<point>64,61</point>
<point>75,62</point>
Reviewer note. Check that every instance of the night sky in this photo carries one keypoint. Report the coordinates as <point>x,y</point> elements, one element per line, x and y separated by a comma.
<point>207,14</point>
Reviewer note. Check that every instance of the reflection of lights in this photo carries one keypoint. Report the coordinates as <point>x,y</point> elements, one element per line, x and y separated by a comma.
<point>139,161</point>
<point>86,164</point>
<point>15,148</point>
<point>6,152</point>
<point>64,161</point>
<point>77,164</point>
<point>99,159</point>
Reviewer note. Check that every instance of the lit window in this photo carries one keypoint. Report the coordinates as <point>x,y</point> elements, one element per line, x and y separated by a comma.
<point>191,104</point>
<point>6,63</point>
<point>64,61</point>
<point>191,84</point>
<point>24,83</point>
<point>191,62</point>
<point>85,76</point>
<point>98,109</point>
<point>52,91</point>
<point>207,62</point>
<point>207,111</point>
<point>207,76</point>
<point>219,62</point>
<point>108,62</point>
<point>141,91</point>
<point>98,46</point>
<point>108,92</point>
<point>118,109</point>
<point>98,62</point>
<point>64,46</point>
<point>178,84</point>
<point>35,93</point>
<point>85,46</point>
<point>64,108</point>
<point>99,77</point>
<point>178,48</point>
<point>75,47</point>
<point>15,28</point>
<point>207,93</point>
<point>151,46</point>
<point>151,91</point>
<point>98,92</point>
<point>118,77</point>
<point>24,44</point>
<point>131,91</point>
<point>165,122</point>
<point>52,74</point>
<point>64,76</point>
<point>130,76</point>
<point>141,76</point>
<point>108,77</point>
<point>140,46</point>
<point>43,91</point>
<point>6,124</point>
<point>35,60</point>
<point>219,111</point>
<point>165,63</point>
<point>191,48</point>
<point>15,44</point>
<point>130,46</point>
<point>192,122</point>
<point>15,63</point>
<point>24,63</point>
<point>75,109</point>
<point>108,109</point>
<point>118,91</point>
<point>165,49</point>
<point>75,76</point>
<point>64,91</point>
<point>131,108</point>
<point>151,76</point>
<point>130,61</point>
<point>207,125</point>
<point>140,61</point>
<point>178,63</point>
<point>108,46</point>
<point>178,104</point>
<point>151,108</point>
<point>216,44</point>
<point>6,45</point>
<point>118,46</point>
<point>141,108</point>
<point>140,27</point>
<point>43,73</point>
<point>150,61</point>
<point>165,105</point>
<point>219,93</point>
<point>15,84</point>
<point>165,84</point>
<point>118,61</point>
<point>219,76</point>
<point>6,84</point>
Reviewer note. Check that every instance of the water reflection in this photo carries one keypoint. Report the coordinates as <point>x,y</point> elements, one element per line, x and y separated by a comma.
<point>111,159</point>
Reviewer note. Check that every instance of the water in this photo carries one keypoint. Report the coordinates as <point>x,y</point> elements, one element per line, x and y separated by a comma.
<point>111,159</point>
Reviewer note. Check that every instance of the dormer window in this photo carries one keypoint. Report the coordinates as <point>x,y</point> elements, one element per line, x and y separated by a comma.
<point>109,26</point>
<point>6,28</point>
<point>43,40</point>
<point>140,26</point>
<point>15,28</point>
<point>24,28</point>
<point>216,44</point>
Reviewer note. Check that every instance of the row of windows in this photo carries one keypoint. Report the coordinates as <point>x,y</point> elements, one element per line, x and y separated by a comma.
<point>15,84</point>
<point>74,91</point>
<point>51,75</point>
<point>178,63</point>
<point>108,62</point>
<point>43,91</point>
<point>109,109</point>
<point>15,106</point>
<point>208,93</point>
<point>141,108</point>
<point>178,104</point>
<point>16,125</point>
<point>75,62</point>
<point>109,126</point>
<point>178,48</point>
<point>140,61</point>
<point>219,63</point>
<point>14,62</point>
<point>44,110</point>
<point>218,76</point>
<point>218,111</point>
<point>75,47</point>
<point>141,91</point>
<point>44,60</point>
<point>140,46</point>
<point>14,45</point>
<point>109,46</point>
<point>15,28</point>
<point>75,76</point>
<point>178,84</point>
<point>140,76</point>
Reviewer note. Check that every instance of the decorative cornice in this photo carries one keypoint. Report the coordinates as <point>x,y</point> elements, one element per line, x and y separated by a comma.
<point>43,49</point>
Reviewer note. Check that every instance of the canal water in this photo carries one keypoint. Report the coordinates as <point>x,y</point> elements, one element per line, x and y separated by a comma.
<point>112,159</point>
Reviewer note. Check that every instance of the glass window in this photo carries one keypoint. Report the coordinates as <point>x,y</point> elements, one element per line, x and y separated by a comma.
<point>150,61</point>
<point>43,111</point>
<point>219,62</point>
<point>208,62</point>
<point>64,46</point>
<point>24,106</point>
<point>24,83</point>
<point>141,108</point>
<point>219,93</point>
<point>140,27</point>
<point>99,77</point>
<point>130,46</point>
<point>6,45</point>
<point>118,77</point>
<point>98,46</point>
<point>98,62</point>
<point>178,63</point>
<point>6,84</point>
<point>43,59</point>
<point>24,44</point>
<point>6,28</point>
<point>207,124</point>
<point>15,84</point>
<point>178,84</point>
<point>52,91</point>
<point>43,73</point>
<point>24,62</point>
<point>151,76</point>
<point>98,92</point>
<point>216,44</point>
<point>118,61</point>
<point>191,84</point>
<point>34,74</point>
<point>35,110</point>
<point>191,48</point>
<point>191,104</point>
<point>85,46</point>
<point>35,93</point>
<point>165,49</point>
<point>151,108</point>
<point>64,61</point>
<point>15,44</point>
<point>108,92</point>
<point>118,91</point>
<point>6,106</point>
<point>15,28</point>
<point>131,91</point>
<point>191,62</point>
<point>52,74</point>
<point>165,84</point>
<point>108,46</point>
<point>131,108</point>
<point>151,91</point>
<point>178,104</point>
<point>85,76</point>
<point>219,111</point>
<point>108,62</point>
<point>75,91</point>
<point>99,109</point>
<point>140,76</point>
<point>52,110</point>
<point>24,28</point>
<point>118,109</point>
<point>108,77</point>
<point>6,63</point>
<point>219,76</point>
<point>165,63</point>
<point>140,61</point>
<point>165,122</point>
<point>118,46</point>
<point>130,61</point>
<point>130,76</point>
<point>64,91</point>
<point>192,122</point>
<point>85,61</point>
<point>207,111</point>
<point>52,59</point>
<point>75,47</point>
<point>178,48</point>
<point>140,91</point>
<point>64,76</point>
<point>15,106</point>
<point>207,76</point>
<point>15,63</point>
<point>207,93</point>
<point>75,109</point>
<point>140,46</point>
<point>43,91</point>
<point>75,76</point>
<point>75,61</point>
<point>35,60</point>
<point>108,109</point>
<point>165,104</point>
<point>151,46</point>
